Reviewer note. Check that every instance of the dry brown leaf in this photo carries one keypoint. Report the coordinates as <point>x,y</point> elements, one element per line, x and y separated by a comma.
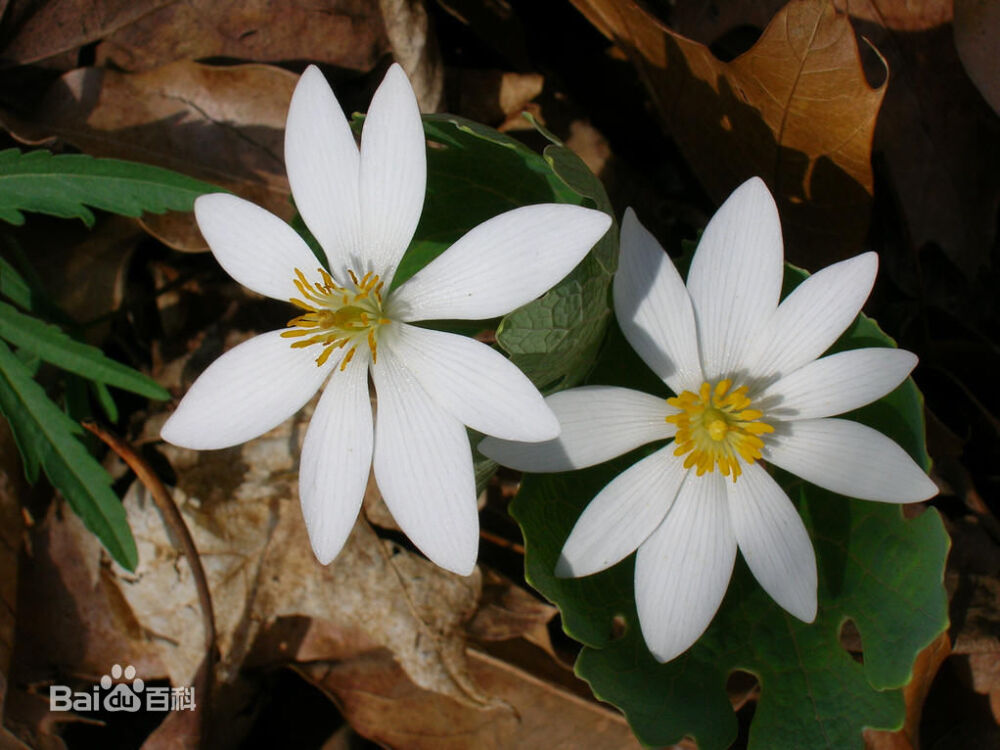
<point>54,30</point>
<point>938,140</point>
<point>940,144</point>
<point>145,34</point>
<point>224,125</point>
<point>12,486</point>
<point>795,109</point>
<point>507,611</point>
<point>925,669</point>
<point>977,38</point>
<point>707,22</point>
<point>383,705</point>
<point>345,33</point>
<point>415,49</point>
<point>902,15</point>
<point>71,617</point>
<point>242,508</point>
<point>495,97</point>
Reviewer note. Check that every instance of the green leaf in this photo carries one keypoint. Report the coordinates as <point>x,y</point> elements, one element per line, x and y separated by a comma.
<point>52,345</point>
<point>555,339</point>
<point>875,568</point>
<point>14,287</point>
<point>48,438</point>
<point>65,185</point>
<point>473,173</point>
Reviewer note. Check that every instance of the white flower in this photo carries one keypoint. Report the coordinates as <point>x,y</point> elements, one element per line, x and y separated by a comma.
<point>750,387</point>
<point>362,205</point>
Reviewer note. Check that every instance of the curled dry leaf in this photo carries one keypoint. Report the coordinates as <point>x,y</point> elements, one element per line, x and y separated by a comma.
<point>415,48</point>
<point>383,705</point>
<point>224,125</point>
<point>507,611</point>
<point>795,109</point>
<point>242,508</point>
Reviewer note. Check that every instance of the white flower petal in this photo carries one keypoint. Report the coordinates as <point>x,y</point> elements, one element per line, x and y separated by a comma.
<point>247,391</point>
<point>423,466</point>
<point>393,173</point>
<point>848,458</point>
<point>253,245</point>
<point>683,569</point>
<point>774,541</point>
<point>653,308</point>
<point>735,277</point>
<point>322,160</point>
<point>623,514</point>
<point>501,264</point>
<point>812,317</point>
<point>336,458</point>
<point>598,423</point>
<point>474,383</point>
<point>837,383</point>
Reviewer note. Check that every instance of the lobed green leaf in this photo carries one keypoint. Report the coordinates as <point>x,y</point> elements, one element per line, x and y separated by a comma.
<point>875,568</point>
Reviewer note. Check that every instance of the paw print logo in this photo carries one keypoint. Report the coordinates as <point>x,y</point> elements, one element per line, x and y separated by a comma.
<point>122,697</point>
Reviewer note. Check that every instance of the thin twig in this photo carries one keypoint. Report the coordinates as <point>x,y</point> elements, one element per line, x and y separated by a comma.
<point>174,522</point>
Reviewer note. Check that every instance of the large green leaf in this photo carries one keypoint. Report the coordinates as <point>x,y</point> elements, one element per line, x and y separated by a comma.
<point>66,185</point>
<point>47,438</point>
<point>875,568</point>
<point>555,339</point>
<point>51,344</point>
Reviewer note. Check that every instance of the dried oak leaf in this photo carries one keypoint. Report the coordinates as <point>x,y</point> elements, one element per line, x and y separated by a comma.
<point>707,22</point>
<point>242,508</point>
<point>382,704</point>
<point>795,109</point>
<point>939,140</point>
<point>224,125</point>
<point>145,34</point>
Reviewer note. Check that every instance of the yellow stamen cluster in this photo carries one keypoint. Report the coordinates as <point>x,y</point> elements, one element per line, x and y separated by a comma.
<point>715,426</point>
<point>336,316</point>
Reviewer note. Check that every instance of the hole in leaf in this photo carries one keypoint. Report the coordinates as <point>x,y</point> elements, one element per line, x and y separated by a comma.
<point>619,627</point>
<point>850,640</point>
<point>742,687</point>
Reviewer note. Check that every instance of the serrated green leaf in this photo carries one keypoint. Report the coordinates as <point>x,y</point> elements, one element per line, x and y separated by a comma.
<point>52,345</point>
<point>555,339</point>
<point>106,400</point>
<point>66,185</point>
<point>48,438</point>
<point>14,287</point>
<point>883,572</point>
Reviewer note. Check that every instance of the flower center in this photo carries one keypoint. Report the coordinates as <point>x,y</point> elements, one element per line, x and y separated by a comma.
<point>715,426</point>
<point>335,316</point>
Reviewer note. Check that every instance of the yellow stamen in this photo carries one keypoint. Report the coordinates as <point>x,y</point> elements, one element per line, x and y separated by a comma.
<point>335,316</point>
<point>715,427</point>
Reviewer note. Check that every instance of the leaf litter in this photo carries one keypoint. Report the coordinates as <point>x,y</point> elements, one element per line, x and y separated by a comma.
<point>181,85</point>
